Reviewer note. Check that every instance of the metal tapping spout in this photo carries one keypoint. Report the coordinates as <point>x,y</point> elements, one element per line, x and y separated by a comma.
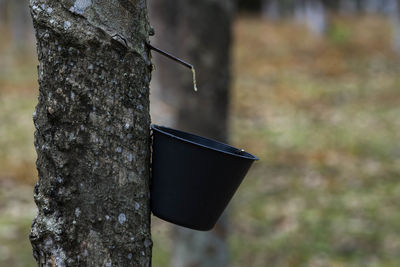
<point>184,63</point>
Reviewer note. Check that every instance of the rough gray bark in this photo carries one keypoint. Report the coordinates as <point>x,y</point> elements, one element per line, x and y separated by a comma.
<point>92,133</point>
<point>199,32</point>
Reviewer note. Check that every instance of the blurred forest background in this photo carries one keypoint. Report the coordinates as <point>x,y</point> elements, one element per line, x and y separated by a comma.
<point>315,93</point>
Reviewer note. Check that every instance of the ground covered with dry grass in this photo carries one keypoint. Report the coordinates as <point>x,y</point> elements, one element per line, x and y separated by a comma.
<point>321,112</point>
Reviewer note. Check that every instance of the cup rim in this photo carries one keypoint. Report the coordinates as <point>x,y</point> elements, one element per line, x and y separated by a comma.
<point>164,130</point>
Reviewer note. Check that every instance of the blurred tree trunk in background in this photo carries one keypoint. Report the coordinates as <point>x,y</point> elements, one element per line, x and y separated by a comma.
<point>250,5</point>
<point>270,9</point>
<point>359,4</point>
<point>200,33</point>
<point>332,5</point>
<point>20,21</point>
<point>3,12</point>
<point>394,13</point>
<point>14,16</point>
<point>92,134</point>
<point>311,13</point>
<point>348,7</point>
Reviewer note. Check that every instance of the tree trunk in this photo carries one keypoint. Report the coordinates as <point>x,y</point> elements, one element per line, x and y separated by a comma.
<point>92,134</point>
<point>199,32</point>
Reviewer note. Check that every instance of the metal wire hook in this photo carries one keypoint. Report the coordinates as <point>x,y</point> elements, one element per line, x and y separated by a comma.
<point>184,63</point>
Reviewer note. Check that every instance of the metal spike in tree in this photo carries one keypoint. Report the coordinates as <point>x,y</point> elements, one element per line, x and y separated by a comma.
<point>92,133</point>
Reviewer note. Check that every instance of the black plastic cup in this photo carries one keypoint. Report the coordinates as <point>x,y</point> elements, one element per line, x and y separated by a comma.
<point>194,178</point>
